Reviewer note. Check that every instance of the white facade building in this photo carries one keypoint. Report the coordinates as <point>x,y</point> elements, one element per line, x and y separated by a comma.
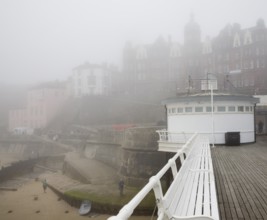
<point>232,113</point>
<point>90,79</point>
<point>261,116</point>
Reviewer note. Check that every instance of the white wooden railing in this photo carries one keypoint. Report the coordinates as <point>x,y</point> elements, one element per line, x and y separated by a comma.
<point>155,184</point>
<point>173,137</point>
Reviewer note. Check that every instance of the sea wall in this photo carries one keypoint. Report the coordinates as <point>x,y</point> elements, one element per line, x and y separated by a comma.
<point>17,169</point>
<point>140,158</point>
<point>26,148</point>
<point>107,153</point>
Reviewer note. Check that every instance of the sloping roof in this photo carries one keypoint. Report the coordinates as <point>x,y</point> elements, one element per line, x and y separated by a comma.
<point>206,97</point>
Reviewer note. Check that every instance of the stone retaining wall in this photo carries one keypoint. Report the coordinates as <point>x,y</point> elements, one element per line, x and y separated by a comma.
<point>16,169</point>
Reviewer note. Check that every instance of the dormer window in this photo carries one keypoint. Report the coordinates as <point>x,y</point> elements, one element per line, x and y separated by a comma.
<point>247,38</point>
<point>237,42</point>
<point>141,53</point>
<point>175,51</point>
<point>207,48</point>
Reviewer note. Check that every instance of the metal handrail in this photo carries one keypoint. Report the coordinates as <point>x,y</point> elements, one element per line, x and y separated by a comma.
<point>154,183</point>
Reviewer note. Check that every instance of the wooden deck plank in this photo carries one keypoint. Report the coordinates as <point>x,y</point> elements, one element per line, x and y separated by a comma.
<point>238,186</point>
<point>218,182</point>
<point>241,181</point>
<point>242,196</point>
<point>252,196</point>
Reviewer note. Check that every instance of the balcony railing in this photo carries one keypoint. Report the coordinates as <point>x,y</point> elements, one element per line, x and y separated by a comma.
<point>173,137</point>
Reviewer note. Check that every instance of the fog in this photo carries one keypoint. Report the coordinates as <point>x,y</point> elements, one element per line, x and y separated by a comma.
<point>44,40</point>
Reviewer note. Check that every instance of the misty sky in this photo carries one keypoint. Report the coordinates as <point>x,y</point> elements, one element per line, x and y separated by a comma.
<point>44,39</point>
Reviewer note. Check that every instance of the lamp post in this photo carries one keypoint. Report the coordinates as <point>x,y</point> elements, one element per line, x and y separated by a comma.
<point>209,84</point>
<point>210,87</point>
<point>212,113</point>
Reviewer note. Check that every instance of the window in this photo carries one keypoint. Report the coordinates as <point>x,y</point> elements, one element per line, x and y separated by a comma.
<point>221,108</point>
<point>231,108</point>
<point>240,108</point>
<point>180,110</point>
<point>257,63</point>
<point>251,64</point>
<point>173,110</point>
<point>208,108</point>
<point>91,80</point>
<point>169,111</point>
<point>247,108</point>
<point>91,91</point>
<point>188,109</point>
<point>106,79</point>
<point>199,109</point>
<point>251,108</point>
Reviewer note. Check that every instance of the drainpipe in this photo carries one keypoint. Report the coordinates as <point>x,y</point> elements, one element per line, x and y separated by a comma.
<point>166,113</point>
<point>255,136</point>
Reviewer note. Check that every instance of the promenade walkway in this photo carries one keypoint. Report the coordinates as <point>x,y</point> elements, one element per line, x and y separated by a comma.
<point>241,180</point>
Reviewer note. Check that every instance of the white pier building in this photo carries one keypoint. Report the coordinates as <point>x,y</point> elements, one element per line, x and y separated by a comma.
<point>232,114</point>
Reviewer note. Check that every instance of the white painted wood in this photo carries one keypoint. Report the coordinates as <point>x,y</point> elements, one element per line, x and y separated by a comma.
<point>199,199</point>
<point>192,194</point>
<point>206,185</point>
<point>185,123</point>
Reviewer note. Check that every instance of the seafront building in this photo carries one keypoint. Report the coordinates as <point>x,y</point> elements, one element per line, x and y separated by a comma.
<point>43,104</point>
<point>236,57</point>
<point>261,114</point>
<point>91,79</point>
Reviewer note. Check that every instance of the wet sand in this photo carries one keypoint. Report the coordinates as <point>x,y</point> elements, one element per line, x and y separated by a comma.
<point>21,204</point>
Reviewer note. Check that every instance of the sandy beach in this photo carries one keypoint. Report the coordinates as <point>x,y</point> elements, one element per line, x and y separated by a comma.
<point>21,204</point>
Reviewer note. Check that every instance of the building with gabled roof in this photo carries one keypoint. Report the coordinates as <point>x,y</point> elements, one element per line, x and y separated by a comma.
<point>166,67</point>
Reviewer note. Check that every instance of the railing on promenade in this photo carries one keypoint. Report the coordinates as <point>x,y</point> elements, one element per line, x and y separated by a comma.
<point>155,184</point>
<point>173,137</point>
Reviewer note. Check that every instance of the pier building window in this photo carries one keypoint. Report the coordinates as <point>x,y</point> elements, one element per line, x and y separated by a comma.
<point>180,110</point>
<point>188,109</point>
<point>240,108</point>
<point>221,108</point>
<point>208,108</point>
<point>231,108</point>
<point>173,110</point>
<point>199,109</point>
<point>247,108</point>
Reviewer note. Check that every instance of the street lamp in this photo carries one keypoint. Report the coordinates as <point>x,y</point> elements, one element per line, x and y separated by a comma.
<point>211,84</point>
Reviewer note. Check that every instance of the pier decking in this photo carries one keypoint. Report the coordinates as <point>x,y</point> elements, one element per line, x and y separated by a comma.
<point>241,180</point>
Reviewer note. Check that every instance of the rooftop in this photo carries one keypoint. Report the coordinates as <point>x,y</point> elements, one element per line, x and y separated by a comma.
<point>207,96</point>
